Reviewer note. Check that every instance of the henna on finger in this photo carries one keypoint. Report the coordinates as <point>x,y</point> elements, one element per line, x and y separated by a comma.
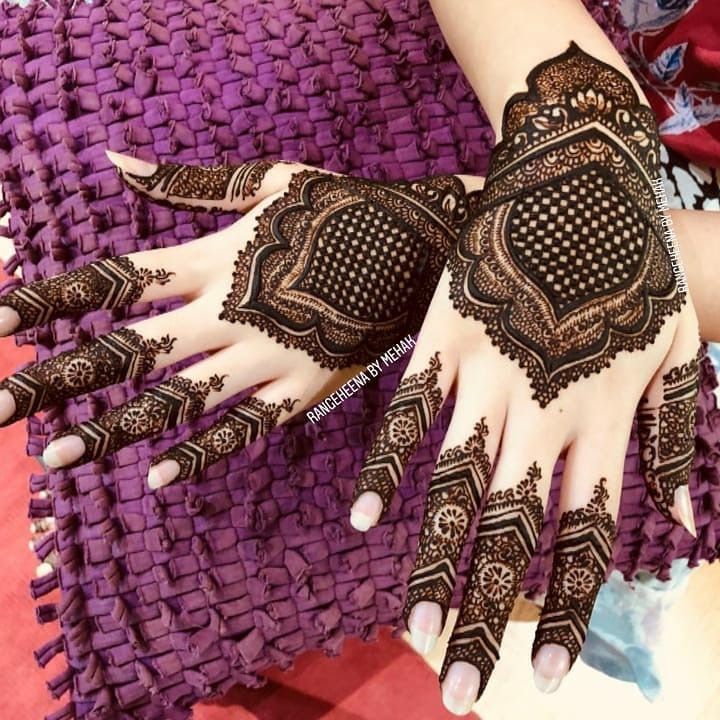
<point>506,538</point>
<point>172,403</point>
<point>583,549</point>
<point>215,183</point>
<point>409,416</point>
<point>565,262</point>
<point>114,358</point>
<point>454,496</point>
<point>343,268</point>
<point>98,286</point>
<point>666,435</point>
<point>235,430</point>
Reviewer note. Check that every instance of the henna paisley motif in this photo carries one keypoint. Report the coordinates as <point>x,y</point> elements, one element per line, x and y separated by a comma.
<point>565,262</point>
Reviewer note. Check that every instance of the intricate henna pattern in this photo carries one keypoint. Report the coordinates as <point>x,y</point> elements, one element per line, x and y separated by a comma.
<point>342,267</point>
<point>667,435</point>
<point>411,412</point>
<point>217,183</point>
<point>505,543</point>
<point>235,430</point>
<point>582,553</point>
<point>114,358</point>
<point>173,403</point>
<point>565,262</point>
<point>456,490</point>
<point>97,286</point>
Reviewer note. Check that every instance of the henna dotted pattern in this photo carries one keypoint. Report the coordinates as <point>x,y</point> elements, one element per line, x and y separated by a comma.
<point>454,496</point>
<point>507,535</point>
<point>98,286</point>
<point>666,434</point>
<point>342,268</point>
<point>172,403</point>
<point>217,183</point>
<point>411,412</point>
<point>583,549</point>
<point>235,430</point>
<point>114,358</point>
<point>565,262</point>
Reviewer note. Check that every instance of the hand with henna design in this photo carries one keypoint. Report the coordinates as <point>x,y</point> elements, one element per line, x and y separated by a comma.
<point>322,273</point>
<point>557,318</point>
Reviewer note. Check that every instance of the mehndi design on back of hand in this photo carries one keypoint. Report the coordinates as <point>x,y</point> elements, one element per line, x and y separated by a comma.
<point>342,267</point>
<point>666,435</point>
<point>98,286</point>
<point>583,549</point>
<point>114,358</point>
<point>454,496</point>
<point>565,261</point>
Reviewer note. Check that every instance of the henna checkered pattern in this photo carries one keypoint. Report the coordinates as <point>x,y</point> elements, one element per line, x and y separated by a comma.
<point>204,585</point>
<point>363,233</point>
<point>600,255</point>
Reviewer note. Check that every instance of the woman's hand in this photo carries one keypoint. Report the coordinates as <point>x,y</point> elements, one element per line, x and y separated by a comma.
<point>322,273</point>
<point>559,314</point>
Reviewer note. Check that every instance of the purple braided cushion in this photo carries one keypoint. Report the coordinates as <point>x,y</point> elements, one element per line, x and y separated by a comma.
<point>174,596</point>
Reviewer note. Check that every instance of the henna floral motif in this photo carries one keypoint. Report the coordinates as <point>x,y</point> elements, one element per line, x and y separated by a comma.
<point>218,184</point>
<point>239,427</point>
<point>456,490</point>
<point>114,358</point>
<point>582,553</point>
<point>177,401</point>
<point>343,268</point>
<point>565,262</point>
<point>412,409</point>
<point>97,286</point>
<point>505,542</point>
<point>667,435</point>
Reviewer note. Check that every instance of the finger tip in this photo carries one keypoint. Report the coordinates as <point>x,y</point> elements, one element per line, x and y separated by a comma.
<point>682,509</point>
<point>63,451</point>
<point>551,664</point>
<point>163,473</point>
<point>366,511</point>
<point>460,688</point>
<point>425,626</point>
<point>9,321</point>
<point>7,406</point>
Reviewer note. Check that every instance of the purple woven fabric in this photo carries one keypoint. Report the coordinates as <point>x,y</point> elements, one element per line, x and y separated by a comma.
<point>173,596</point>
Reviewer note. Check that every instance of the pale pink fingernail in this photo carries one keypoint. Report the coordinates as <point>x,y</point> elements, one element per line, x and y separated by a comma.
<point>43,569</point>
<point>163,474</point>
<point>551,664</point>
<point>682,510</point>
<point>7,405</point>
<point>131,164</point>
<point>425,626</point>
<point>460,687</point>
<point>366,511</point>
<point>9,320</point>
<point>63,451</point>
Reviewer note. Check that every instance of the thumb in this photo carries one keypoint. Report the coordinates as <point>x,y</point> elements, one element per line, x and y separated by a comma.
<point>220,188</point>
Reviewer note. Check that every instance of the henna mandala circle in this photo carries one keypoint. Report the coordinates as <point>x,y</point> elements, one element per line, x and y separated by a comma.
<point>565,262</point>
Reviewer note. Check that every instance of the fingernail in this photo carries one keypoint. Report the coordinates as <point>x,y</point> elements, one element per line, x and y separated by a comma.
<point>682,510</point>
<point>551,663</point>
<point>43,569</point>
<point>460,688</point>
<point>9,320</point>
<point>366,511</point>
<point>31,545</point>
<point>131,164</point>
<point>425,626</point>
<point>163,474</point>
<point>63,451</point>
<point>7,405</point>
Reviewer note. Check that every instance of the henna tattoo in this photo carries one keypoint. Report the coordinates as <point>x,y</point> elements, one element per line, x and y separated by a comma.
<point>667,435</point>
<point>582,553</point>
<point>172,403</point>
<point>456,490</point>
<point>114,358</point>
<point>235,430</point>
<point>565,262</point>
<point>411,412</point>
<point>217,183</point>
<point>342,267</point>
<point>97,286</point>
<point>505,543</point>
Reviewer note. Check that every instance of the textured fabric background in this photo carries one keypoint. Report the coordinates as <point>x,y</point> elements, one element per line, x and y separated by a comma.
<point>172,596</point>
